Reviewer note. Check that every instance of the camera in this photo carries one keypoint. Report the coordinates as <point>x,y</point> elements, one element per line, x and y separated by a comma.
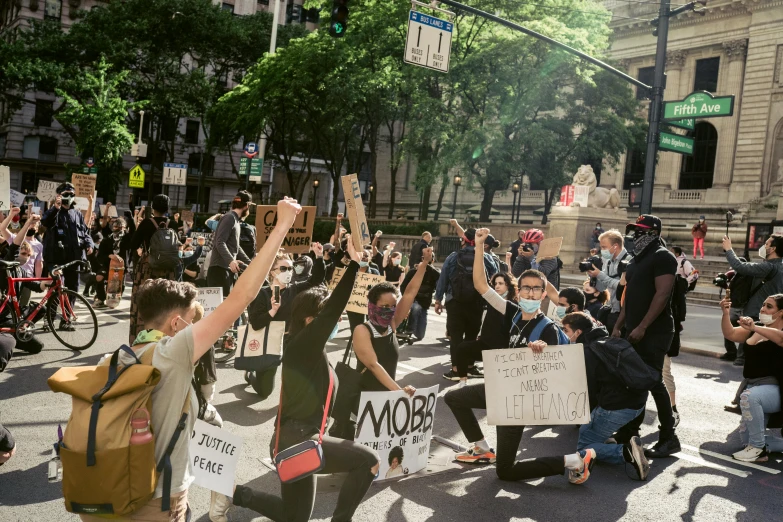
<point>527,247</point>
<point>721,281</point>
<point>621,267</point>
<point>590,262</point>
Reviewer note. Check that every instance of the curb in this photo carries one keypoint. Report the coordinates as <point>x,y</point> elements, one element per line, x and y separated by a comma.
<point>698,351</point>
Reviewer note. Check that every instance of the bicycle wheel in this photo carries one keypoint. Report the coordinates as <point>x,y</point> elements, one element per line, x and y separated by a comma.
<point>72,320</point>
<point>225,348</point>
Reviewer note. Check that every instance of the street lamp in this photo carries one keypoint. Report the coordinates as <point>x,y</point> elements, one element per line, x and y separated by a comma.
<point>316,184</point>
<point>515,190</point>
<point>457,183</point>
<point>370,191</point>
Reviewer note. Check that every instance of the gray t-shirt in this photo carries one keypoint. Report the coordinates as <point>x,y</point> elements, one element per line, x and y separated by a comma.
<point>174,358</point>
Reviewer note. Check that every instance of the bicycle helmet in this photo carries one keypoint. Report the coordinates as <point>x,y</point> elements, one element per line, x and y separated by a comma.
<point>533,235</point>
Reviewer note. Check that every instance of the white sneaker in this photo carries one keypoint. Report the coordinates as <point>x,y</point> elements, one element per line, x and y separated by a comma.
<point>212,416</point>
<point>751,454</point>
<point>219,505</point>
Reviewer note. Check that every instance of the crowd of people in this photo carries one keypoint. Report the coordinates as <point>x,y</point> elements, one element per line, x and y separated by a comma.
<point>632,301</point>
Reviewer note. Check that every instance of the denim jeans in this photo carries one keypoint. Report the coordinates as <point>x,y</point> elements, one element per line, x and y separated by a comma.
<point>603,424</point>
<point>417,320</point>
<point>757,403</point>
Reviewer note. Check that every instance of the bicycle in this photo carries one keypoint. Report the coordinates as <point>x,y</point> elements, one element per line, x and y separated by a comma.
<point>226,346</point>
<point>73,330</point>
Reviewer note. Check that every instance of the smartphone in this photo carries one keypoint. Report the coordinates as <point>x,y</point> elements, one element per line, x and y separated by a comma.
<point>728,293</point>
<point>277,294</point>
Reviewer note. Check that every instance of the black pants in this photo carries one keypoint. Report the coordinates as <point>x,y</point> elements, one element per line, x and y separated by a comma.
<point>298,498</point>
<point>7,345</point>
<point>468,353</point>
<point>611,320</point>
<point>70,276</point>
<point>462,402</point>
<point>222,277</point>
<point>463,322</point>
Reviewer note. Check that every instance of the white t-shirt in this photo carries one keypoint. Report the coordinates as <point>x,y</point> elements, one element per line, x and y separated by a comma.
<point>29,267</point>
<point>174,358</point>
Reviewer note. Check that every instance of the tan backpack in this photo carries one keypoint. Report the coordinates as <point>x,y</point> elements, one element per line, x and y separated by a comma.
<point>103,473</point>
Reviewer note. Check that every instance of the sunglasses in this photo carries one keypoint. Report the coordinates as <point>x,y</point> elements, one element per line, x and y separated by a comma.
<point>284,268</point>
<point>68,195</point>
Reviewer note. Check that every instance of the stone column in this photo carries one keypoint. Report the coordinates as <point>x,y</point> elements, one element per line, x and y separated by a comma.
<point>735,53</point>
<point>668,171</point>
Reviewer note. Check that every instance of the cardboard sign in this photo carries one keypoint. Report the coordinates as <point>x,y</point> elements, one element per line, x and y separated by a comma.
<point>399,428</point>
<point>5,187</point>
<point>361,287</point>
<point>84,184</point>
<point>536,389</point>
<point>37,211</point>
<point>112,211</point>
<point>214,453</point>
<point>354,207</point>
<point>299,236</point>
<point>187,216</point>
<point>549,248</point>
<point>17,198</point>
<point>47,190</point>
<point>336,276</point>
<point>210,298</point>
<point>81,204</point>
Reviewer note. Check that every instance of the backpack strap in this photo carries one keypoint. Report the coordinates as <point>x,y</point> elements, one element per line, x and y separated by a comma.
<point>164,464</point>
<point>535,335</point>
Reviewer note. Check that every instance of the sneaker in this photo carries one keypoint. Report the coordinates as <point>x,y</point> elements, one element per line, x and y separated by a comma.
<point>664,448</point>
<point>580,477</point>
<point>212,416</point>
<point>97,303</point>
<point>476,455</point>
<point>728,357</point>
<point>66,327</point>
<point>219,505</point>
<point>248,376</point>
<point>739,361</point>
<point>475,373</point>
<point>451,375</point>
<point>676,416</point>
<point>633,454</point>
<point>751,454</point>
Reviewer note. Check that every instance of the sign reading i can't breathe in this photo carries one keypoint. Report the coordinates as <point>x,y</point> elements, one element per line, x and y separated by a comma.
<point>299,236</point>
<point>536,389</point>
<point>214,454</point>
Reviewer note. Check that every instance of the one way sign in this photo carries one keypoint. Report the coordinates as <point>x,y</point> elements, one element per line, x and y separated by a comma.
<point>429,42</point>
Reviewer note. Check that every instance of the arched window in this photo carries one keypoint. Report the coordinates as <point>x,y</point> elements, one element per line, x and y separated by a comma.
<point>634,167</point>
<point>697,170</point>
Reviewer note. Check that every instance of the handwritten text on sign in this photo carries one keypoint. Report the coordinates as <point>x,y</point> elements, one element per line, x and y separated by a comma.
<point>526,388</point>
<point>354,207</point>
<point>361,288</point>
<point>299,236</point>
<point>214,454</point>
<point>84,184</point>
<point>210,298</point>
<point>47,190</point>
<point>399,428</point>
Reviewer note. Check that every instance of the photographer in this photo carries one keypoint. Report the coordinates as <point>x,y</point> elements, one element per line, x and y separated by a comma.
<point>725,282</point>
<point>527,258</point>
<point>615,259</point>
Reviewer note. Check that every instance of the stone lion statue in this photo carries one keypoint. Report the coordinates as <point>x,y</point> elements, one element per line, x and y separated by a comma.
<point>599,197</point>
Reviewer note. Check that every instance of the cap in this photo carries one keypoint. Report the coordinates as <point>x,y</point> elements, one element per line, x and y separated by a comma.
<point>242,197</point>
<point>65,186</point>
<point>645,222</point>
<point>470,234</point>
<point>701,217</point>
<point>328,247</point>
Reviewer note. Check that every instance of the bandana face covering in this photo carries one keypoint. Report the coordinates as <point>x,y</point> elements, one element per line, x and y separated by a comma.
<point>148,336</point>
<point>642,242</point>
<point>380,316</point>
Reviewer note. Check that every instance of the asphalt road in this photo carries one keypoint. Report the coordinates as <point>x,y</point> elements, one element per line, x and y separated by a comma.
<point>695,486</point>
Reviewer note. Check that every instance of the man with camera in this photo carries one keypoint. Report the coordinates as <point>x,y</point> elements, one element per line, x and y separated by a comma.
<point>615,259</point>
<point>528,258</point>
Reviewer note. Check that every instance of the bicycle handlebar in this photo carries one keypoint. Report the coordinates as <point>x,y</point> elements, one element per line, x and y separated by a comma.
<point>84,264</point>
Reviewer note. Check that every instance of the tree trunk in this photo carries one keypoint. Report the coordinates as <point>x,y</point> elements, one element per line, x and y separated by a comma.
<point>486,204</point>
<point>335,195</point>
<point>549,197</point>
<point>372,141</point>
<point>424,205</point>
<point>440,200</point>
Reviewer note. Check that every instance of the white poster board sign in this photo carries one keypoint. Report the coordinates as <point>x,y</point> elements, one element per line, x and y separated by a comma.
<point>214,453</point>
<point>399,428</point>
<point>17,198</point>
<point>581,195</point>
<point>210,298</point>
<point>536,389</point>
<point>112,211</point>
<point>5,187</point>
<point>47,190</point>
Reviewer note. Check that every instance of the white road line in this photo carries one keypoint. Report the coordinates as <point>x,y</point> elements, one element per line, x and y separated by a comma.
<point>702,462</point>
<point>729,459</point>
<point>414,369</point>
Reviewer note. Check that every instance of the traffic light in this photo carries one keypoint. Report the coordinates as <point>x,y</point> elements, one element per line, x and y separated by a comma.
<point>339,21</point>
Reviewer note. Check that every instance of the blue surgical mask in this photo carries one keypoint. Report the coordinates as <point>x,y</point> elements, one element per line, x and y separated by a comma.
<point>504,294</point>
<point>334,332</point>
<point>561,311</point>
<point>212,224</point>
<point>364,264</point>
<point>529,305</point>
<point>606,254</point>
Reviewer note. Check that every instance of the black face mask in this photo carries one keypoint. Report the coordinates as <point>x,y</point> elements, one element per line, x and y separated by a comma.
<point>30,232</point>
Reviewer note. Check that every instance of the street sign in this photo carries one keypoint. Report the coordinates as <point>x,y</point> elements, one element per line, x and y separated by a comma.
<point>675,143</point>
<point>429,42</point>
<point>139,150</point>
<point>136,177</point>
<point>256,166</point>
<point>699,105</point>
<point>687,123</point>
<point>175,174</point>
<point>90,162</point>
<point>89,170</point>
<point>251,149</point>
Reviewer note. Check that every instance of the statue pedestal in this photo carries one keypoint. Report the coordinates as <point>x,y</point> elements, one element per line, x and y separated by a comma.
<point>576,224</point>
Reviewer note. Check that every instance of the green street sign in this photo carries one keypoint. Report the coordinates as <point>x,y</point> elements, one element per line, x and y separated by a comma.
<point>699,105</point>
<point>687,123</point>
<point>89,170</point>
<point>675,143</point>
<point>256,166</point>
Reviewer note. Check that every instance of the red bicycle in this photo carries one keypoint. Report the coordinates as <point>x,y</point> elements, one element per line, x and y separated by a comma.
<point>69,315</point>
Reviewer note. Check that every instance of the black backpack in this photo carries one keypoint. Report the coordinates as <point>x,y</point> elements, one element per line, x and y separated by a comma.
<point>742,290</point>
<point>679,307</point>
<point>462,289</point>
<point>164,249</point>
<point>622,361</point>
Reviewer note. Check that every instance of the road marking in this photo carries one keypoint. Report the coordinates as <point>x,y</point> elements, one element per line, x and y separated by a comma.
<point>702,462</point>
<point>729,459</point>
<point>414,369</point>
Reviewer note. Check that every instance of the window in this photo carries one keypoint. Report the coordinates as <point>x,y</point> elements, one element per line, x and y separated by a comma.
<point>697,170</point>
<point>634,167</point>
<point>29,182</point>
<point>42,148</point>
<point>228,7</point>
<point>191,131</point>
<point>192,195</point>
<point>707,75</point>
<point>169,130</point>
<point>53,9</point>
<point>262,3</point>
<point>645,75</point>
<point>44,110</point>
<point>3,142</point>
<point>195,166</point>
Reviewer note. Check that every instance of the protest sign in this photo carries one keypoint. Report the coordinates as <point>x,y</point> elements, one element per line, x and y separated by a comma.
<point>5,188</point>
<point>214,453</point>
<point>361,287</point>
<point>299,236</point>
<point>36,211</point>
<point>112,211</point>
<point>17,198</point>
<point>399,428</point>
<point>535,389</point>
<point>549,248</point>
<point>354,207</point>
<point>581,195</point>
<point>336,276</point>
<point>84,184</point>
<point>47,190</point>
<point>187,216</point>
<point>210,298</point>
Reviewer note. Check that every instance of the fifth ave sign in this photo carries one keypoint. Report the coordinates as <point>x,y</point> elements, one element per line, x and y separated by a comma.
<point>699,105</point>
<point>429,42</point>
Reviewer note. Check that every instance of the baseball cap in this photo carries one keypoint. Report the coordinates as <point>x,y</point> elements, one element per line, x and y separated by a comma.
<point>645,222</point>
<point>242,197</point>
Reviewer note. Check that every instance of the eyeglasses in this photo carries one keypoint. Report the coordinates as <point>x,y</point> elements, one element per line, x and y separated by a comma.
<point>531,289</point>
<point>284,268</point>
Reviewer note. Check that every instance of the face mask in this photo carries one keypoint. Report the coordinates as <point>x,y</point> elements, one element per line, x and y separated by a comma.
<point>561,311</point>
<point>504,294</point>
<point>380,316</point>
<point>606,254</point>
<point>642,242</point>
<point>284,277</point>
<point>364,264</point>
<point>298,269</point>
<point>574,340</point>
<point>67,200</point>
<point>30,232</point>
<point>396,261</point>
<point>766,319</point>
<point>763,252</point>
<point>334,332</point>
<point>529,305</point>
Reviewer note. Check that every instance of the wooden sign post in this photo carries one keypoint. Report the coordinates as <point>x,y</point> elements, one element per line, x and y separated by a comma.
<point>354,207</point>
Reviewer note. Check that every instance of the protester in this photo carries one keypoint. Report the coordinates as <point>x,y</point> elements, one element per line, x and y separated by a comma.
<point>699,232</point>
<point>7,442</point>
<point>528,258</point>
<point>114,246</point>
<point>463,303</point>
<point>307,377</point>
<point>615,258</point>
<point>647,318</point>
<point>597,304</point>
<point>684,267</point>
<point>734,312</point>
<point>515,246</point>
<point>595,240</point>
<point>227,254</point>
<point>391,265</point>
<point>767,278</point>
<point>303,268</point>
<point>490,244</point>
<point>34,265</point>
<point>191,271</point>
<point>570,300</point>
<point>415,258</point>
<point>417,319</point>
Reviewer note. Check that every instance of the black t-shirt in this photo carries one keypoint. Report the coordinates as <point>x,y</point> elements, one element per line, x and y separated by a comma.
<point>495,330</point>
<point>392,272</point>
<point>764,359</point>
<point>640,288</point>
<point>519,330</point>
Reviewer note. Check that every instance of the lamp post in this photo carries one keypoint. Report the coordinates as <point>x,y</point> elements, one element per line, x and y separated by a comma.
<point>457,183</point>
<point>515,190</point>
<point>316,184</point>
<point>370,191</point>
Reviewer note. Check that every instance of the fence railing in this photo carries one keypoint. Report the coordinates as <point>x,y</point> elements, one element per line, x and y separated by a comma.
<point>691,196</point>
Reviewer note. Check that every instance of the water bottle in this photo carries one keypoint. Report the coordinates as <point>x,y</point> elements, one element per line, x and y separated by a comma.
<point>140,427</point>
<point>55,467</point>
